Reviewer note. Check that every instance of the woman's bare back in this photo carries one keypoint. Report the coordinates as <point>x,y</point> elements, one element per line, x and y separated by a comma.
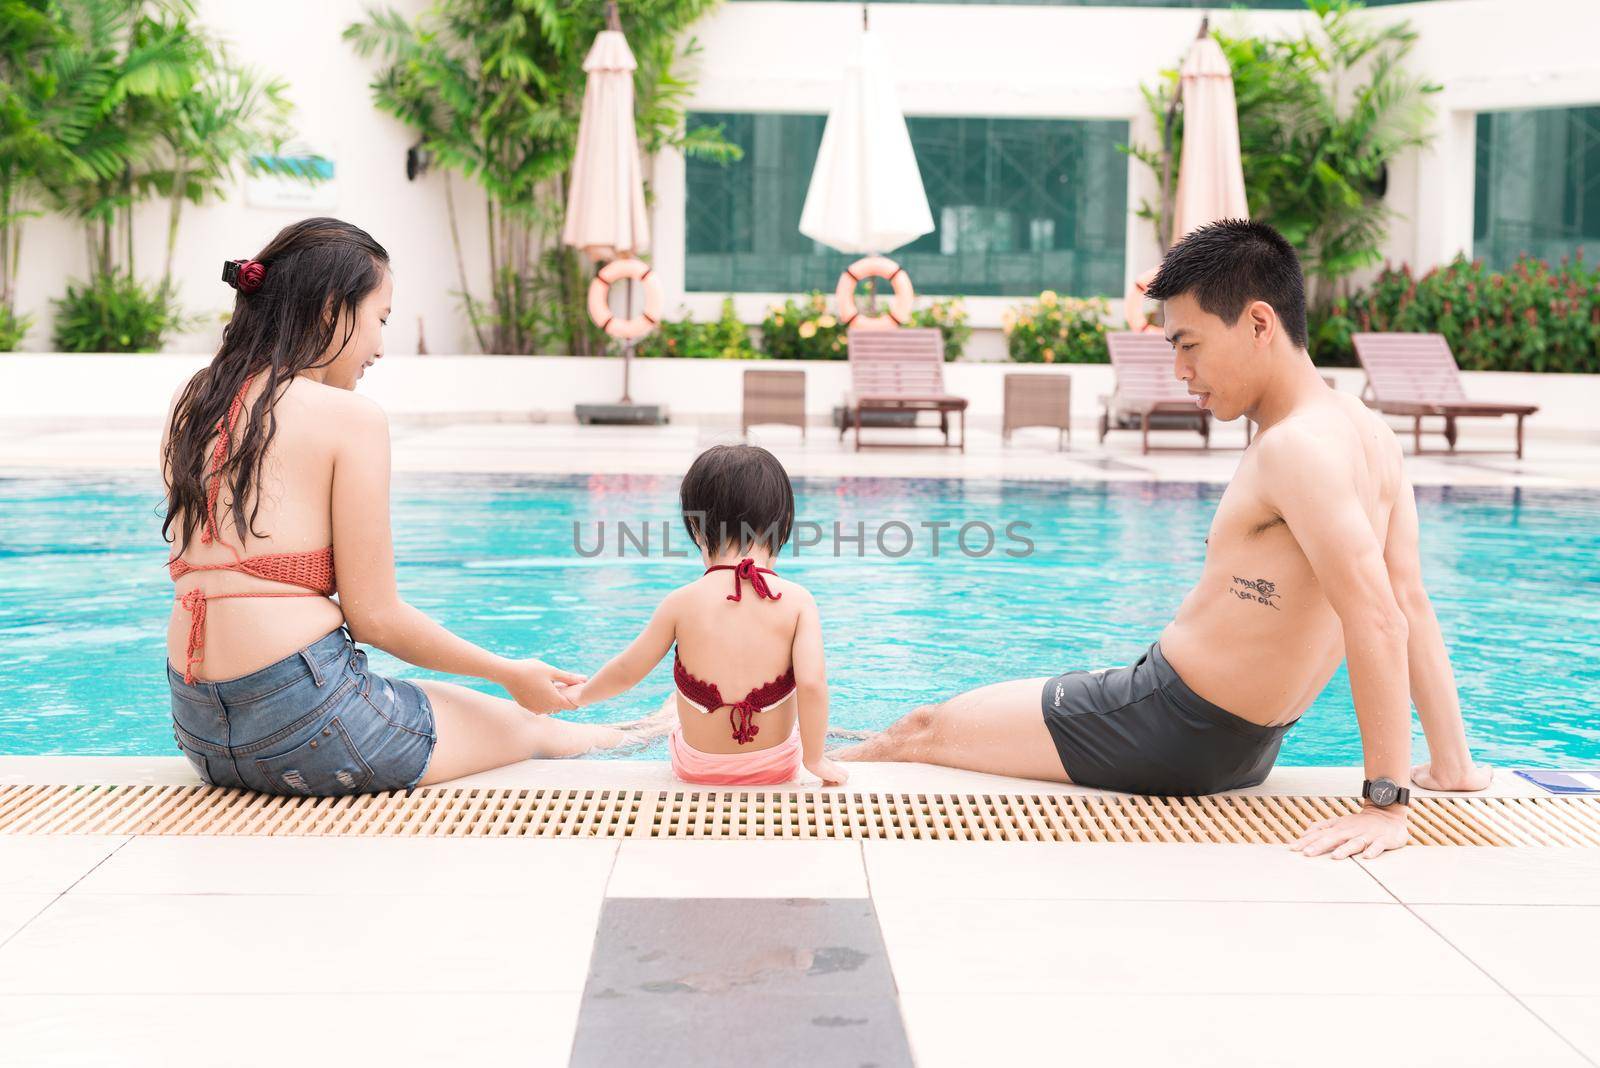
<point>296,515</point>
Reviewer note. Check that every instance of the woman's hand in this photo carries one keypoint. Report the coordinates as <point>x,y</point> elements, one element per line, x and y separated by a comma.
<point>831,772</point>
<point>1471,778</point>
<point>532,684</point>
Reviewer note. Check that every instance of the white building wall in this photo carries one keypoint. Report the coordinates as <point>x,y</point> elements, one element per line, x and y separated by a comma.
<point>949,59</point>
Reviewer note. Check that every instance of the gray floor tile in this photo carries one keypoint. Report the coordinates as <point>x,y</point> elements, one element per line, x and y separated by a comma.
<point>740,981</point>
<point>740,1031</point>
<point>749,945</point>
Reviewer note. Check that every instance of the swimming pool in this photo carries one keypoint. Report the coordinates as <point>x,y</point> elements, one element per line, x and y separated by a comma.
<point>1515,577</point>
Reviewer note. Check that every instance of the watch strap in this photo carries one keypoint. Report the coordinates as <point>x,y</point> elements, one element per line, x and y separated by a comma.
<point>1402,793</point>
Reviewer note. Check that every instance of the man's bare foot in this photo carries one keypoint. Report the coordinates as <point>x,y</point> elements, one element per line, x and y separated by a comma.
<point>859,737</point>
<point>869,745</point>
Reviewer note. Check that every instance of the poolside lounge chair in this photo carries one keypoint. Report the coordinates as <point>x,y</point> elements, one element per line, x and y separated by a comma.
<point>1416,375</point>
<point>900,370</point>
<point>774,397</point>
<point>1148,396</point>
<point>1038,400</point>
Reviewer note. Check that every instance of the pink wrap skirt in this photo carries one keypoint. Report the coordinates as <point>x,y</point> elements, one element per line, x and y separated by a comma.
<point>761,767</point>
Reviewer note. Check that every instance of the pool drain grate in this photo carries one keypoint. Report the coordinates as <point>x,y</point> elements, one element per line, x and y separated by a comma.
<point>514,812</point>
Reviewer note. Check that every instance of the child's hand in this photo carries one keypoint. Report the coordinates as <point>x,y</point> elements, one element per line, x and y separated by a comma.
<point>538,687</point>
<point>831,772</point>
<point>573,693</point>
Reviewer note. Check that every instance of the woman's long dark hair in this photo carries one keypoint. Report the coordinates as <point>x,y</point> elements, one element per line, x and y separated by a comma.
<point>318,271</point>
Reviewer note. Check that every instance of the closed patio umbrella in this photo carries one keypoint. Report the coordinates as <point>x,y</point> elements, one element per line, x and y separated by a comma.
<point>866,193</point>
<point>1211,172</point>
<point>605,198</point>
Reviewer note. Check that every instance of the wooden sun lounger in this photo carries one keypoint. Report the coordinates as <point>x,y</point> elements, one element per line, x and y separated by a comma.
<point>900,370</point>
<point>1147,388</point>
<point>1416,375</point>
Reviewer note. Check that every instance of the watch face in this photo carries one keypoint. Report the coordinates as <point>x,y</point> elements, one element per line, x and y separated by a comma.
<point>1384,791</point>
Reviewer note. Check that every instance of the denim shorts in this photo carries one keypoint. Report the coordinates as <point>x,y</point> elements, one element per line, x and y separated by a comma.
<point>317,722</point>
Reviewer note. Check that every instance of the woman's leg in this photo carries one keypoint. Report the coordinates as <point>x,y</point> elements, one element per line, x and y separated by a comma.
<point>997,729</point>
<point>657,724</point>
<point>477,732</point>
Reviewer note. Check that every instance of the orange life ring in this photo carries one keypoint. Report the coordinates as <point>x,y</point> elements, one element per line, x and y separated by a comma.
<point>899,313</point>
<point>1133,304</point>
<point>600,299</point>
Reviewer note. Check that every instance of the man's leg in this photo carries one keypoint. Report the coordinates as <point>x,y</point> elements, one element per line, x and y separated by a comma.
<point>997,729</point>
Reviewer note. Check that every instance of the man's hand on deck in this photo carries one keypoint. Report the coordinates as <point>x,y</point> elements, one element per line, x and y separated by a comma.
<point>1370,832</point>
<point>1471,778</point>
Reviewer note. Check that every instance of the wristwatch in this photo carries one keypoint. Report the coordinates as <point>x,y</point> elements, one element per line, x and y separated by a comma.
<point>1385,792</point>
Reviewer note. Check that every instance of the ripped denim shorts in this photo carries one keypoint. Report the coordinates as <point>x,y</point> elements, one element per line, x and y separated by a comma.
<point>315,723</point>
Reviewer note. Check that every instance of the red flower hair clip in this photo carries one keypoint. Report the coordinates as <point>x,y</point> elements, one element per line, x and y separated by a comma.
<point>244,275</point>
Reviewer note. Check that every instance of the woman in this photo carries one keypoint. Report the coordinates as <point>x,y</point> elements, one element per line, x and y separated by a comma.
<point>275,468</point>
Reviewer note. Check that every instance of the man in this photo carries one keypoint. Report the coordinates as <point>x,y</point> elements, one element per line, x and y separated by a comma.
<point>1311,559</point>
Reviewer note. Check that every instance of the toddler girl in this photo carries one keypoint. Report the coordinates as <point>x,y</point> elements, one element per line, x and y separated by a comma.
<point>752,692</point>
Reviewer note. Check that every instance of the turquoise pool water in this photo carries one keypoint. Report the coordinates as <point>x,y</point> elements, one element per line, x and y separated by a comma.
<point>1515,576</point>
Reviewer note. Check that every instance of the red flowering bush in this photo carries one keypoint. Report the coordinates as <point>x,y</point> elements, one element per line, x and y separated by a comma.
<point>1533,317</point>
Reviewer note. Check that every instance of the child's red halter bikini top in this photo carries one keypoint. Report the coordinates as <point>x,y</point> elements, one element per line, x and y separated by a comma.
<point>313,570</point>
<point>706,697</point>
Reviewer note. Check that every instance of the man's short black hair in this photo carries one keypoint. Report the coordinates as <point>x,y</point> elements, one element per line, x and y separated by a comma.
<point>737,496</point>
<point>1229,264</point>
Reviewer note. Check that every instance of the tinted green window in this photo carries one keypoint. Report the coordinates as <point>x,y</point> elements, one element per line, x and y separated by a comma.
<point>1019,205</point>
<point>1538,184</point>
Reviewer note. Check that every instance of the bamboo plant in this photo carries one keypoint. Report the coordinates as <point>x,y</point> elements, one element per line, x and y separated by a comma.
<point>1322,115</point>
<point>494,89</point>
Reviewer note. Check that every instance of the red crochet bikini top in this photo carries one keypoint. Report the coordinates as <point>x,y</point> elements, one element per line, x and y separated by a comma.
<point>313,570</point>
<point>706,697</point>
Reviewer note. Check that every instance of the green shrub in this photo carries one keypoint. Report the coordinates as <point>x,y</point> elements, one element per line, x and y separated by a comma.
<point>805,331</point>
<point>950,316</point>
<point>724,339</point>
<point>1531,318</point>
<point>13,328</point>
<point>114,313</point>
<point>1057,329</point>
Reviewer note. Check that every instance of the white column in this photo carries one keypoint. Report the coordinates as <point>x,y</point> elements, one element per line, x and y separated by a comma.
<point>668,228</point>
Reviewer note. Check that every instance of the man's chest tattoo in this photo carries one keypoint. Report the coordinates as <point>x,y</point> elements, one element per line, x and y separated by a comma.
<point>1260,591</point>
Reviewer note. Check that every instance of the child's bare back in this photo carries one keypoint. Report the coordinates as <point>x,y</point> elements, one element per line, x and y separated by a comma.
<point>737,646</point>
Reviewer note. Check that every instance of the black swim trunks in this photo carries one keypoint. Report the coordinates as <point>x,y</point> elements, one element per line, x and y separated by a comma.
<point>1141,730</point>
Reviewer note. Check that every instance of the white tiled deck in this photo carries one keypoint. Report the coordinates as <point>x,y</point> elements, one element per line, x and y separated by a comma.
<point>1566,460</point>
<point>168,950</point>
